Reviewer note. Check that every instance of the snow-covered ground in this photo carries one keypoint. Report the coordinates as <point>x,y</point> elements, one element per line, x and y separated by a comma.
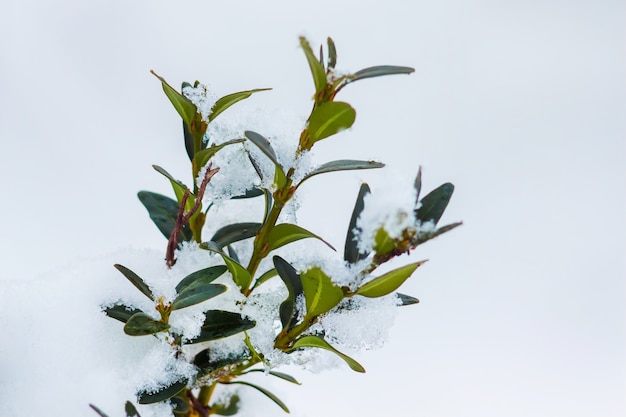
<point>520,104</point>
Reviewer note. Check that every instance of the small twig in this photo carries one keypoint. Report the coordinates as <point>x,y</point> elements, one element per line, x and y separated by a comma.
<point>183,217</point>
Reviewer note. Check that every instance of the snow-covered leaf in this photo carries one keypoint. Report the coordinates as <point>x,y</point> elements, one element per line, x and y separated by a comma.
<point>219,324</point>
<point>406,300</point>
<point>141,324</point>
<point>234,233</point>
<point>388,282</point>
<point>434,203</point>
<point>135,280</point>
<point>317,69</point>
<point>264,392</point>
<point>251,193</point>
<point>197,294</point>
<point>163,211</point>
<point>320,293</point>
<point>121,312</point>
<point>351,249</point>
<point>330,118</point>
<point>285,233</point>
<point>201,277</point>
<point>225,102</point>
<point>383,243</point>
<point>163,394</point>
<point>342,165</point>
<point>318,342</point>
<point>290,277</point>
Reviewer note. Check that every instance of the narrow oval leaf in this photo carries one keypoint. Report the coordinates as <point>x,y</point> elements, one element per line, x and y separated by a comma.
<point>234,233</point>
<point>225,102</point>
<point>342,165</point>
<point>418,185</point>
<point>163,394</point>
<point>251,193</point>
<point>434,203</point>
<point>388,282</point>
<point>288,312</point>
<point>207,363</point>
<point>121,312</point>
<point>378,71</point>
<point>264,392</point>
<point>130,410</point>
<point>317,69</point>
<point>180,407</point>
<point>284,233</point>
<point>266,276</point>
<point>202,157</point>
<point>280,375</point>
<point>320,293</point>
<point>135,280</point>
<point>219,324</point>
<point>351,252</point>
<point>332,54</point>
<point>263,144</point>
<point>197,295</point>
<point>179,187</point>
<point>406,300</point>
<point>163,212</point>
<point>201,277</point>
<point>185,108</point>
<point>241,276</point>
<point>141,324</point>
<point>97,410</point>
<point>318,342</point>
<point>330,118</point>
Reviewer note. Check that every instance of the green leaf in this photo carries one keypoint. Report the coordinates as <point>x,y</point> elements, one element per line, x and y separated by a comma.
<point>227,101</point>
<point>434,203</point>
<point>179,187</point>
<point>332,54</point>
<point>180,406</point>
<point>378,71</point>
<point>251,193</point>
<point>163,394</point>
<point>97,410</point>
<point>280,375</point>
<point>234,233</point>
<point>406,300</point>
<point>263,144</point>
<point>201,277</point>
<point>164,212</point>
<point>388,282</point>
<point>130,410</point>
<point>266,276</point>
<point>287,311</point>
<point>317,69</point>
<point>426,236</point>
<point>135,280</point>
<point>141,324</point>
<point>320,293</point>
<point>219,324</point>
<point>279,177</point>
<point>418,185</point>
<point>342,165</point>
<point>121,312</point>
<point>202,157</point>
<point>330,118</point>
<point>208,364</point>
<point>227,410</point>
<point>241,276</point>
<point>351,252</point>
<point>264,392</point>
<point>197,295</point>
<point>318,342</point>
<point>383,243</point>
<point>285,233</point>
<point>185,108</point>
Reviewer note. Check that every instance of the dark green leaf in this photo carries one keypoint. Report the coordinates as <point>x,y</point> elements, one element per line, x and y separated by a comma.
<point>426,236</point>
<point>264,392</point>
<point>332,54</point>
<point>203,156</point>
<point>351,249</point>
<point>180,406</point>
<point>320,293</point>
<point>97,410</point>
<point>179,187</point>
<point>379,71</point>
<point>163,394</point>
<point>317,69</point>
<point>280,375</point>
<point>418,185</point>
<point>163,212</point>
<point>318,342</point>
<point>227,410</point>
<point>201,277</point>
<point>130,409</point>
<point>195,295</point>
<point>267,275</point>
<point>208,364</point>
<point>330,118</point>
<point>233,254</point>
<point>185,108</point>
<point>288,312</point>
<point>141,324</point>
<point>284,233</point>
<point>263,144</point>
<point>406,300</point>
<point>219,324</point>
<point>135,280</point>
<point>234,233</point>
<point>251,193</point>
<point>227,101</point>
<point>342,165</point>
<point>434,203</point>
<point>388,282</point>
<point>121,312</point>
<point>189,141</point>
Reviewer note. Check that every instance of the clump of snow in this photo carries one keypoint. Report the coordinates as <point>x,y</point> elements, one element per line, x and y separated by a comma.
<point>202,96</point>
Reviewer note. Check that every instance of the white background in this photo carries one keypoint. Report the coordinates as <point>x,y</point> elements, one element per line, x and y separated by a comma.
<point>520,104</point>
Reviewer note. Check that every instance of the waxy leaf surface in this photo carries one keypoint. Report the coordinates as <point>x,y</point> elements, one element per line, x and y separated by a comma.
<point>320,293</point>
<point>388,282</point>
<point>318,342</point>
<point>197,294</point>
<point>351,252</point>
<point>225,102</point>
<point>330,118</point>
<point>201,277</point>
<point>135,280</point>
<point>141,324</point>
<point>284,233</point>
<point>163,394</point>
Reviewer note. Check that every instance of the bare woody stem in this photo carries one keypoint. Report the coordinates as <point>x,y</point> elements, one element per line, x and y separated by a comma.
<point>184,216</point>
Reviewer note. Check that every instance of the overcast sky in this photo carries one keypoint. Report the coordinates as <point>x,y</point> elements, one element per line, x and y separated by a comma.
<point>520,104</point>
